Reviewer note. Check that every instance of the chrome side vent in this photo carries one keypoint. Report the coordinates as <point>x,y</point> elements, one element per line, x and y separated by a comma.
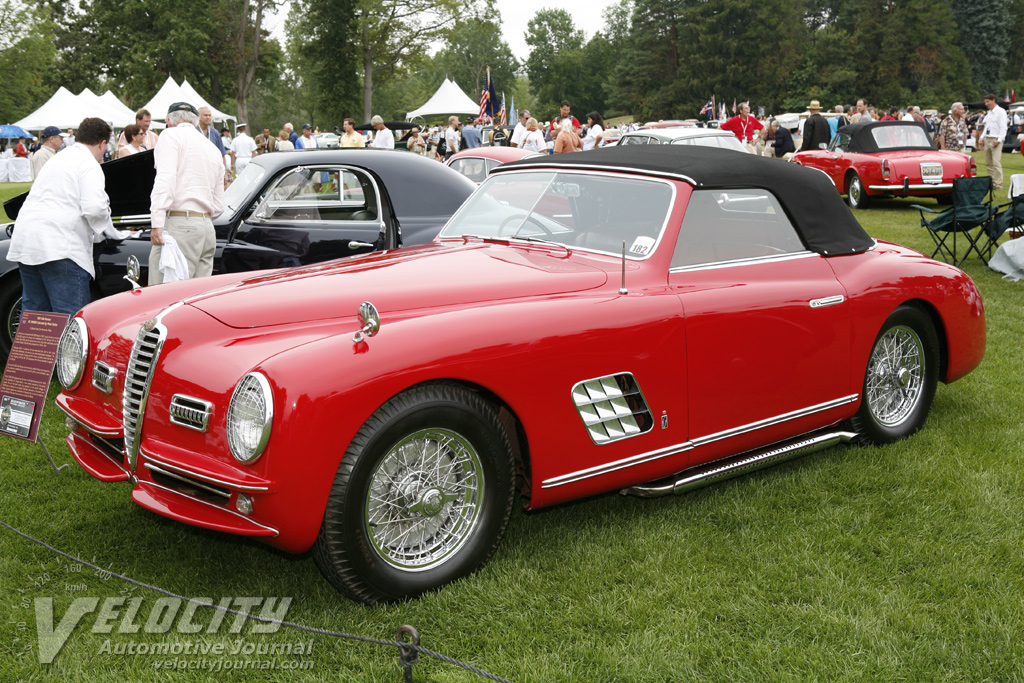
<point>612,408</point>
<point>145,353</point>
<point>191,412</point>
<point>103,377</point>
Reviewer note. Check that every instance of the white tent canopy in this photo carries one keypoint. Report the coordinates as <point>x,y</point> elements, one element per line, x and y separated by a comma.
<point>118,106</point>
<point>63,110</point>
<point>449,99</point>
<point>171,92</point>
<point>104,110</point>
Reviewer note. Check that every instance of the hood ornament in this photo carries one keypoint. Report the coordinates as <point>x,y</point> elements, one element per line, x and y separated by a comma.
<point>371,321</point>
<point>134,271</point>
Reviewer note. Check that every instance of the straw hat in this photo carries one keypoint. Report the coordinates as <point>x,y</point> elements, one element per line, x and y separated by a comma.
<point>815,106</point>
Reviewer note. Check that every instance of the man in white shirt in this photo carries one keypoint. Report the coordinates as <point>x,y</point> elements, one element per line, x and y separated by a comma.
<point>66,209</point>
<point>69,139</point>
<point>520,129</point>
<point>383,138</point>
<point>306,140</point>
<point>243,146</point>
<point>144,119</point>
<point>451,137</point>
<point>992,136</point>
<point>52,142</point>
<point>188,193</point>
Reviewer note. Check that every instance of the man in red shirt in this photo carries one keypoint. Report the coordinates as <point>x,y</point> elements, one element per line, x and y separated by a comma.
<point>20,150</point>
<point>743,125</point>
<point>563,112</point>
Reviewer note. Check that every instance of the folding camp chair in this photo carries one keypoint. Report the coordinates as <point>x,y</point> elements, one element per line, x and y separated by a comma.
<point>1010,217</point>
<point>972,209</point>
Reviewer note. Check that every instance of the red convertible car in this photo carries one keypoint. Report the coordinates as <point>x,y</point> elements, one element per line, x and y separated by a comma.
<point>888,159</point>
<point>554,342</point>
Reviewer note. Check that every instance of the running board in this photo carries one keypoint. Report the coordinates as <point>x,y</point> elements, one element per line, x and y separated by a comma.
<point>697,477</point>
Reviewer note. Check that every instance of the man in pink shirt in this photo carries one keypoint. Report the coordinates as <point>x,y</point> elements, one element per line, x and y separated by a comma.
<point>187,194</point>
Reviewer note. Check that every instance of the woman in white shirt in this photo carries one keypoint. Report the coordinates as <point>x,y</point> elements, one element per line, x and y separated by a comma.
<point>283,143</point>
<point>533,141</point>
<point>134,136</point>
<point>595,131</point>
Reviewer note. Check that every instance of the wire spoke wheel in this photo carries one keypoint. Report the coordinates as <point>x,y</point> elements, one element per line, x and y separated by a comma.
<point>895,378</point>
<point>424,499</point>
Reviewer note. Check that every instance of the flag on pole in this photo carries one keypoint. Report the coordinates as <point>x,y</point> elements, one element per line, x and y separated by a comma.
<point>722,115</point>
<point>502,114</point>
<point>734,105</point>
<point>514,112</point>
<point>483,96</point>
<point>1013,95</point>
<point>710,106</point>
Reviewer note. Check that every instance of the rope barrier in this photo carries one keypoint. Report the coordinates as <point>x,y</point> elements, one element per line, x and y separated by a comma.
<point>408,650</point>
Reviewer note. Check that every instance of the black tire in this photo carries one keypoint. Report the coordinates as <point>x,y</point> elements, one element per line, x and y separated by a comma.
<point>855,195</point>
<point>900,378</point>
<point>10,312</point>
<point>460,503</point>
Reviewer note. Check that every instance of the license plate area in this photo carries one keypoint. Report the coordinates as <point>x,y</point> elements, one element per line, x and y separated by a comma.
<point>931,173</point>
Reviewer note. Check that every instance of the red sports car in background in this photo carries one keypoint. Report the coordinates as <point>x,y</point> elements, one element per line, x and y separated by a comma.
<point>888,159</point>
<point>555,342</point>
<point>477,163</point>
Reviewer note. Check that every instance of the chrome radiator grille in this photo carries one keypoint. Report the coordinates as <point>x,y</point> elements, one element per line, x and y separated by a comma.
<point>145,353</point>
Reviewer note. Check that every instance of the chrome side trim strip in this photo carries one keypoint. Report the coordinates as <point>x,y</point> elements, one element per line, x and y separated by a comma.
<point>923,186</point>
<point>167,473</point>
<point>827,301</point>
<point>215,507</point>
<point>213,480</point>
<point>771,421</point>
<point>617,465</point>
<point>95,432</point>
<point>743,262</point>
<point>688,445</point>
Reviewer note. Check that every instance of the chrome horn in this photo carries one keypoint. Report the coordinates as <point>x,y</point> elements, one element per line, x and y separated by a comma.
<point>371,321</point>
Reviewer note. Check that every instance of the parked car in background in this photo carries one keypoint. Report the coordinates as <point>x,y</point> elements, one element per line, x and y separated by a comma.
<point>888,159</point>
<point>327,140</point>
<point>284,209</point>
<point>701,137</point>
<point>478,162</point>
<point>554,342</point>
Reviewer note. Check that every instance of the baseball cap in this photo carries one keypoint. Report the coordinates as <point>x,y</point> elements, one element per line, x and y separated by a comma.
<point>50,131</point>
<point>182,106</point>
<point>306,125</point>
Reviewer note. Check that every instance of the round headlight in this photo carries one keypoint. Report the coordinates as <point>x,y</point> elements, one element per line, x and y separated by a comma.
<point>72,351</point>
<point>250,415</point>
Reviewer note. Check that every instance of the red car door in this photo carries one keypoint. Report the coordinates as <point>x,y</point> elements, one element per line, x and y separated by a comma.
<point>767,325</point>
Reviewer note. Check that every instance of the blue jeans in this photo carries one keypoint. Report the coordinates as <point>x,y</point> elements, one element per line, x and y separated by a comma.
<point>58,287</point>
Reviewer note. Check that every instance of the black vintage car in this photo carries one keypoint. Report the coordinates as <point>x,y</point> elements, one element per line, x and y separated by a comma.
<point>284,209</point>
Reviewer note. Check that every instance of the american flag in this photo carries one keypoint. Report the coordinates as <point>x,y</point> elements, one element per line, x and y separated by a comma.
<point>710,106</point>
<point>502,115</point>
<point>483,99</point>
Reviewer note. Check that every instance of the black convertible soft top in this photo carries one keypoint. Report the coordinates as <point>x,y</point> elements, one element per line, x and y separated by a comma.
<point>863,136</point>
<point>818,213</point>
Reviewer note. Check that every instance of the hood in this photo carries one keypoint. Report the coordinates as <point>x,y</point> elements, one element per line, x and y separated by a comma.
<point>434,276</point>
<point>128,183</point>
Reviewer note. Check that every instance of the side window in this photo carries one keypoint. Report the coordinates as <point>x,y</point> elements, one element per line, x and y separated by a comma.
<point>634,140</point>
<point>730,225</point>
<point>840,143</point>
<point>319,195</point>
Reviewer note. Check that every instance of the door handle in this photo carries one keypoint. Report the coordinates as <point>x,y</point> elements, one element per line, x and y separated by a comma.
<point>827,301</point>
<point>353,245</point>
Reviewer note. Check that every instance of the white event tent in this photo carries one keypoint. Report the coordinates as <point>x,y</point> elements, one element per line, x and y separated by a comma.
<point>170,92</point>
<point>63,110</point>
<point>449,99</point>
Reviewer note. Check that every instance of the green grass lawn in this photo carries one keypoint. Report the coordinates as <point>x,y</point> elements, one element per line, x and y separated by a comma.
<point>897,563</point>
<point>8,190</point>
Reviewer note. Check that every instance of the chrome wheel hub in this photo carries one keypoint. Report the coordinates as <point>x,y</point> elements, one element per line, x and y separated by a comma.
<point>424,500</point>
<point>895,376</point>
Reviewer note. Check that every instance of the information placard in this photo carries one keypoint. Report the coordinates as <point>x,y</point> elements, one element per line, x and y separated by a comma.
<point>27,374</point>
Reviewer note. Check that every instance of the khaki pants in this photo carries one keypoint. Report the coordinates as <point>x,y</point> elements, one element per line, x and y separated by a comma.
<point>994,160</point>
<point>197,240</point>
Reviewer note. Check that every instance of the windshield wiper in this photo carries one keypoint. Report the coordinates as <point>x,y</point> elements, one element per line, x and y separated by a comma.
<point>540,240</point>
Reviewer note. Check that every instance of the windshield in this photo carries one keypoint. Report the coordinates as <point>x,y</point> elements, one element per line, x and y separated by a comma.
<point>579,210</point>
<point>720,141</point>
<point>901,137</point>
<point>241,189</point>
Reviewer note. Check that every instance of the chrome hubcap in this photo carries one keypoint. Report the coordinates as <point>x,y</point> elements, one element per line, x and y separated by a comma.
<point>15,319</point>
<point>425,499</point>
<point>895,376</point>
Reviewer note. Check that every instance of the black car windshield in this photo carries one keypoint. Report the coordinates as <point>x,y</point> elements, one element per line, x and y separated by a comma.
<point>241,189</point>
<point>901,137</point>
<point>581,210</point>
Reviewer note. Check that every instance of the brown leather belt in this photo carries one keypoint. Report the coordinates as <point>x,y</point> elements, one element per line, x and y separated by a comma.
<point>189,214</point>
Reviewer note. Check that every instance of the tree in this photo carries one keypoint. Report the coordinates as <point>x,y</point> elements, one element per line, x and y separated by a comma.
<point>984,38</point>
<point>393,35</point>
<point>472,46</point>
<point>555,56</point>
<point>26,52</point>
<point>247,56</point>
<point>323,40</point>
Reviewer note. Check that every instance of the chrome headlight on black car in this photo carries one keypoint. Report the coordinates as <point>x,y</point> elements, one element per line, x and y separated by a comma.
<point>72,350</point>
<point>249,419</point>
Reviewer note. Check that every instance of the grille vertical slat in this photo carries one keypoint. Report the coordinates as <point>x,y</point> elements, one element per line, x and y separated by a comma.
<point>136,385</point>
